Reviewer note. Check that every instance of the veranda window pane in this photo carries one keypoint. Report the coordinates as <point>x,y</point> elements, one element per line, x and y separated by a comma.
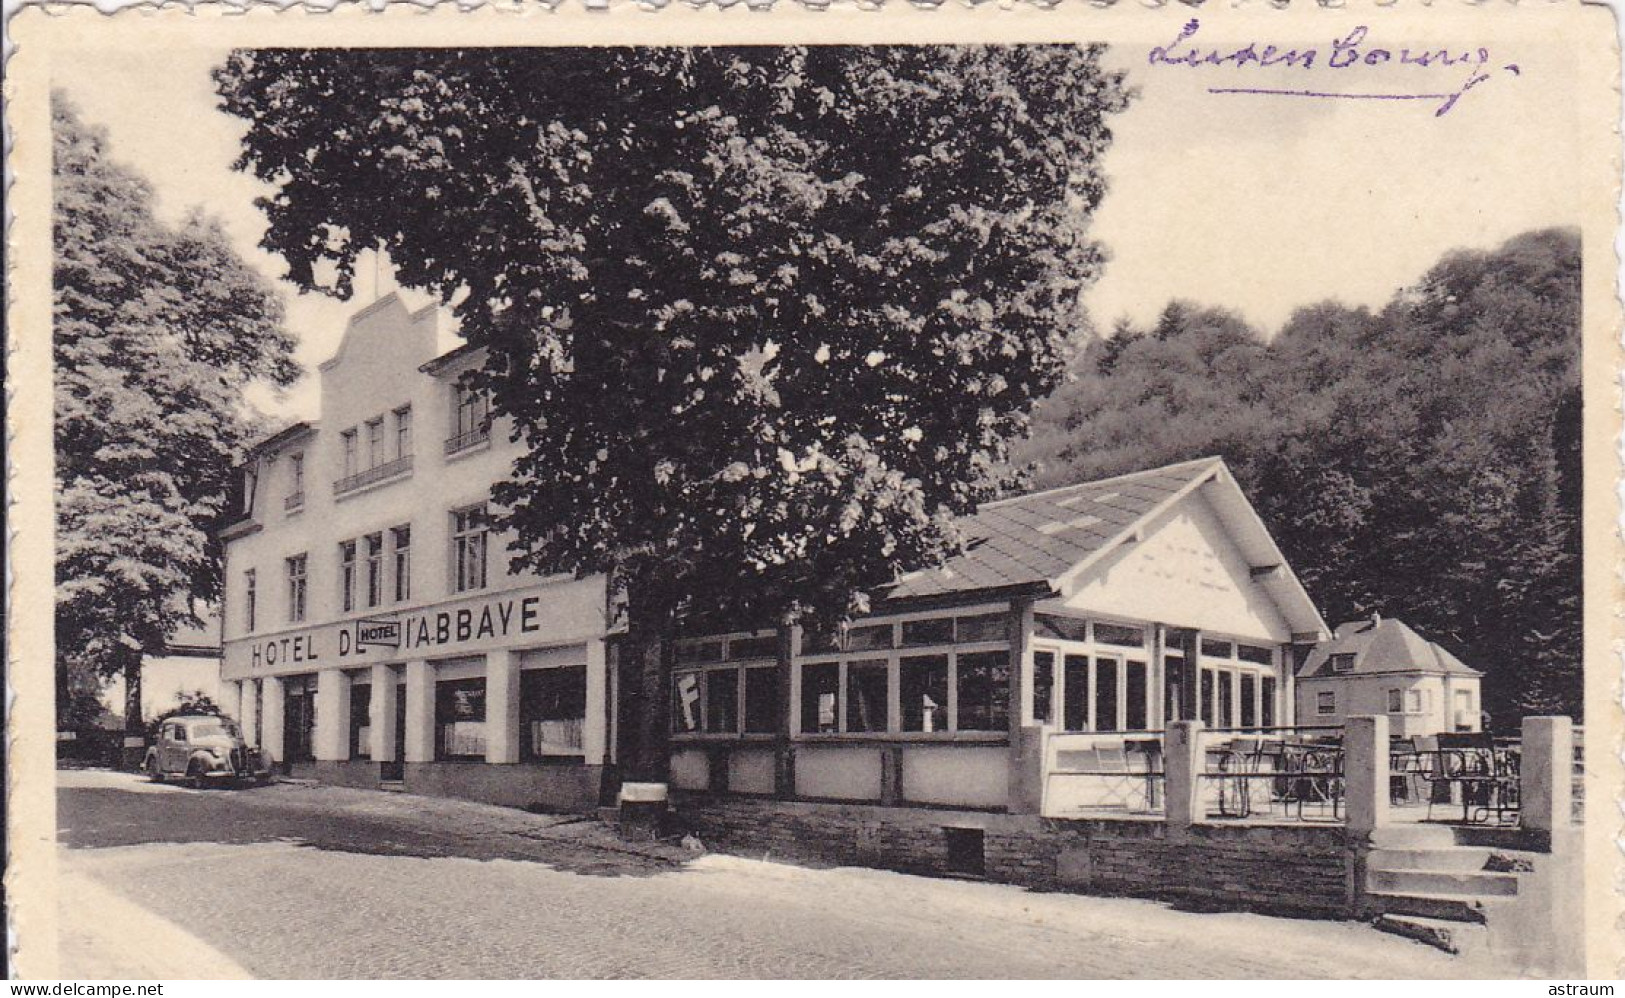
<point>1043,686</point>
<point>1106,693</point>
<point>1214,648</point>
<point>1227,698</point>
<point>867,638</point>
<point>1134,706</point>
<point>984,691</point>
<point>1075,709</point>
<point>934,631</point>
<point>983,627</point>
<point>685,702</point>
<point>1255,653</point>
<point>1207,697</point>
<point>1173,669</point>
<point>868,685</point>
<point>722,701</point>
<point>1066,628</point>
<point>762,701</point>
<point>760,647</point>
<point>1249,711</point>
<point>1117,634</point>
<point>819,682</point>
<point>1267,693</point>
<point>923,684</point>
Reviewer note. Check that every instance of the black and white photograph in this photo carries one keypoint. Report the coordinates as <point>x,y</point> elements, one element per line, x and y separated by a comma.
<point>1017,494</point>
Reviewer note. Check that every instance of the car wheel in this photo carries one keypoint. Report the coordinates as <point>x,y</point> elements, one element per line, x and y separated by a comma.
<point>154,774</point>
<point>194,773</point>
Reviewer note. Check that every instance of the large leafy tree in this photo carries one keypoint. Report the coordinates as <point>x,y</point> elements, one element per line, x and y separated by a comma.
<point>157,330</point>
<point>1421,461</point>
<point>764,318</point>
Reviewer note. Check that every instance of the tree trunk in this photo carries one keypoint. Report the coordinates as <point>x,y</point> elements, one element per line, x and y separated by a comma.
<point>649,644</point>
<point>133,725</point>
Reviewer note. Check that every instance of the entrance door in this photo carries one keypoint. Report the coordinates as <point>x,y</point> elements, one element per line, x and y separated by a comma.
<point>299,719</point>
<point>396,770</point>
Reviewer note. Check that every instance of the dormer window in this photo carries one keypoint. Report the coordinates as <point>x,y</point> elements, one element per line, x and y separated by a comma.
<point>1343,663</point>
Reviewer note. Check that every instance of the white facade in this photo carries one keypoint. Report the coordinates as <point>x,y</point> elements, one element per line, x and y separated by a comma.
<point>363,561</point>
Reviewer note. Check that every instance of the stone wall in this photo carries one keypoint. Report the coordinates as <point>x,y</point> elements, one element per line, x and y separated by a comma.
<point>561,787</point>
<point>1300,870</point>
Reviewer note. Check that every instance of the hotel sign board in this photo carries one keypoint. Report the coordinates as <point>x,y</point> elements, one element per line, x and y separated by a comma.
<point>530,617</point>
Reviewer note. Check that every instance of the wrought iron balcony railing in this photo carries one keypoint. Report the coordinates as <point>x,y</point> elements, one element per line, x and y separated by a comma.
<point>399,467</point>
<point>463,441</point>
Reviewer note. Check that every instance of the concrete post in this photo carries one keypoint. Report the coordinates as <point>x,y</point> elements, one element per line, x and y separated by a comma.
<point>381,720</point>
<point>1365,772</point>
<point>271,705</point>
<point>502,706</point>
<point>595,729</point>
<point>1182,769</point>
<point>249,715</point>
<point>419,712</point>
<point>1546,773</point>
<point>1026,751</point>
<point>332,716</point>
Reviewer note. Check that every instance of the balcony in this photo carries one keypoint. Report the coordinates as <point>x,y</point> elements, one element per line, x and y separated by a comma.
<point>293,501</point>
<point>398,468</point>
<point>464,441</point>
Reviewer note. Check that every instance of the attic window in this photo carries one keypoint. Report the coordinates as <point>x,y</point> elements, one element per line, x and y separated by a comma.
<point>1343,663</point>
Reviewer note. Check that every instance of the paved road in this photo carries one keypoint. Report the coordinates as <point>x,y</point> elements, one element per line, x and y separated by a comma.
<point>323,882</point>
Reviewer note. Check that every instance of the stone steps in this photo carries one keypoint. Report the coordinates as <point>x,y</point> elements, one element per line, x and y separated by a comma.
<point>1464,859</point>
<point>1442,907</point>
<point>1454,883</point>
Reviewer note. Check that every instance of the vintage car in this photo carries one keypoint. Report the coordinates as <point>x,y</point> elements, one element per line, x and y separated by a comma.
<point>204,749</point>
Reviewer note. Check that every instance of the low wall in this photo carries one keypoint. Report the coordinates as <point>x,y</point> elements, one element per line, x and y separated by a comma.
<point>566,787</point>
<point>1282,869</point>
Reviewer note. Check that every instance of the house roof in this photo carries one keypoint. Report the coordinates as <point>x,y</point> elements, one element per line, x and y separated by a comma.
<point>1048,540</point>
<point>1382,645</point>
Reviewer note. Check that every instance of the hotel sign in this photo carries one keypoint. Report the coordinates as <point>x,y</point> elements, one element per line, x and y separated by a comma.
<point>568,612</point>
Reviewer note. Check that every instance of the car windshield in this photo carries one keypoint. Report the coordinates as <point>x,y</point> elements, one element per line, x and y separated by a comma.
<point>214,729</point>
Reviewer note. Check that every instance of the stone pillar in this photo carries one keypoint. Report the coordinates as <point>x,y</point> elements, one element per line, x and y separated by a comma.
<point>595,729</point>
<point>1365,772</point>
<point>502,706</point>
<point>419,712</point>
<point>1026,752</point>
<point>272,703</point>
<point>1182,768</point>
<point>332,716</point>
<point>1546,774</point>
<point>381,724</point>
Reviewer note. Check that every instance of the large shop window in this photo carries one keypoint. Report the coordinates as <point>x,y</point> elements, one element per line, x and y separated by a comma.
<point>722,701</point>
<point>459,719</point>
<point>728,700</point>
<point>1266,697</point>
<point>1207,697</point>
<point>1134,709</point>
<point>1106,694</point>
<point>1075,716</point>
<point>868,692</point>
<point>1249,691</point>
<point>1226,717</point>
<point>1043,686</point>
<point>299,719</point>
<point>552,711</point>
<point>820,685</point>
<point>361,720</point>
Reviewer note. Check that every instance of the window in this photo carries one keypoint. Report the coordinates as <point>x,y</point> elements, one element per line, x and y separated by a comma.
<point>1417,701</point>
<point>403,431</point>
<point>401,537</point>
<point>249,481</point>
<point>868,694</point>
<point>348,438</point>
<point>932,631</point>
<point>1206,691</point>
<point>361,720</point>
<point>1114,634</point>
<point>1173,668</point>
<point>1267,702</point>
<point>346,576</point>
<point>1343,663</point>
<point>923,684</point>
<point>762,713</point>
<point>876,636</point>
<point>983,627</point>
<point>1075,705</point>
<point>1134,708</point>
<point>375,442</point>
<point>1106,694</point>
<point>1249,701</point>
<point>296,589</point>
<point>552,711</point>
<point>375,569</point>
<point>472,415</point>
<point>820,683</point>
<point>468,529</point>
<point>296,482</point>
<point>459,717</point>
<point>766,646</point>
<point>1215,648</point>
<point>250,600</point>
<point>685,702</point>
<point>1043,686</point>
<point>722,701</point>
<point>1326,702</point>
<point>1227,698</point>
<point>1065,628</point>
<point>1395,704</point>
<point>1257,654</point>
<point>983,681</point>
<point>1464,698</point>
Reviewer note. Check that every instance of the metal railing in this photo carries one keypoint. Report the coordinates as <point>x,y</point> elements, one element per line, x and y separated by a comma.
<point>361,479</point>
<point>1433,775</point>
<point>463,441</point>
<point>1276,773</point>
<point>1117,772</point>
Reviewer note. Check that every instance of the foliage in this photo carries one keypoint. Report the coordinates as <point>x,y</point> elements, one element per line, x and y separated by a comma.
<point>188,703</point>
<point>157,330</point>
<point>764,318</point>
<point>1422,461</point>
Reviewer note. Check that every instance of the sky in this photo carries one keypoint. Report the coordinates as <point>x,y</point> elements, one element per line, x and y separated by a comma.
<point>1260,204</point>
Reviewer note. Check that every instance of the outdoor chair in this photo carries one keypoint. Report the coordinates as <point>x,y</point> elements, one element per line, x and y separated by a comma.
<point>1468,767</point>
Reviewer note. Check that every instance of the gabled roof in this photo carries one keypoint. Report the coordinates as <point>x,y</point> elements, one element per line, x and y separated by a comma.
<point>1049,539</point>
<point>1381,646</point>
